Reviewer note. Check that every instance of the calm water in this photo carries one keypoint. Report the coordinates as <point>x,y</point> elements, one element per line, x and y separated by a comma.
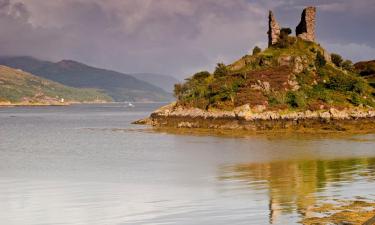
<point>88,165</point>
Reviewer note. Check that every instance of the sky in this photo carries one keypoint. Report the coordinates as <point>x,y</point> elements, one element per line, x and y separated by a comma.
<point>173,37</point>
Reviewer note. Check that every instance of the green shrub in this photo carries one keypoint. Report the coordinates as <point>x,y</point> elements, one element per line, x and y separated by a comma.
<point>336,59</point>
<point>342,82</point>
<point>296,99</point>
<point>256,50</point>
<point>356,99</point>
<point>277,98</point>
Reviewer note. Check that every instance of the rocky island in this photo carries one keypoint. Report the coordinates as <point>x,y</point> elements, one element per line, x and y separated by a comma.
<point>293,84</point>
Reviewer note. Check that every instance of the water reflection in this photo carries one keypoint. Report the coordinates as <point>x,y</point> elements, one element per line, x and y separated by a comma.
<point>294,187</point>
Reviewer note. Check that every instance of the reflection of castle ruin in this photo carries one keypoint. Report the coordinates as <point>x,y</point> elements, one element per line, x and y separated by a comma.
<point>293,185</point>
<point>305,29</point>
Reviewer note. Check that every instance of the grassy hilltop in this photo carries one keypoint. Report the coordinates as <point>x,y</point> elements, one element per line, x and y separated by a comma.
<point>19,87</point>
<point>293,74</point>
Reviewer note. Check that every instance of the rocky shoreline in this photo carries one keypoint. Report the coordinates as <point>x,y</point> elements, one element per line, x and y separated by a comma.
<point>258,118</point>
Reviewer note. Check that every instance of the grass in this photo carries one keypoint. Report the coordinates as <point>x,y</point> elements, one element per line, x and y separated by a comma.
<point>296,77</point>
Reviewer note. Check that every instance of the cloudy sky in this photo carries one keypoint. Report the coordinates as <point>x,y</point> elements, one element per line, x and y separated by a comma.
<point>175,37</point>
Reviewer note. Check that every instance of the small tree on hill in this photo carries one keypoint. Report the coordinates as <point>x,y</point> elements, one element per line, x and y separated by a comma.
<point>221,70</point>
<point>285,31</point>
<point>336,59</point>
<point>284,40</point>
<point>201,75</point>
<point>256,50</point>
<point>320,61</point>
<point>178,90</point>
<point>348,65</point>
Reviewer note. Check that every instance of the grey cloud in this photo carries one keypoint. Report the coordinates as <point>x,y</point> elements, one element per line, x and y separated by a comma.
<point>174,37</point>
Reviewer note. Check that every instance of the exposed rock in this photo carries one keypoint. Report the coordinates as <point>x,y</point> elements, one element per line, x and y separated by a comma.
<point>261,86</point>
<point>274,29</point>
<point>327,56</point>
<point>284,60</point>
<point>145,121</point>
<point>258,118</point>
<point>294,85</point>
<point>298,65</point>
<point>259,108</point>
<point>306,28</point>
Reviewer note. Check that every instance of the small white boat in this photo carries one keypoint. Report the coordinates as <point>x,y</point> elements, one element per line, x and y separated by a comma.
<point>130,104</point>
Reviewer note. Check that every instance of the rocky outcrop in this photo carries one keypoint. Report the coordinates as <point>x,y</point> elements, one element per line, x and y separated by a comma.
<point>273,29</point>
<point>258,118</point>
<point>306,28</point>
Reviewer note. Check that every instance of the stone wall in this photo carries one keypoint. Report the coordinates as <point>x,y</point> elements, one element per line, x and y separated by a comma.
<point>306,28</point>
<point>273,30</point>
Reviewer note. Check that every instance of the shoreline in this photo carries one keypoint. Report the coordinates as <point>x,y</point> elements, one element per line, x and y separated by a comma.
<point>8,104</point>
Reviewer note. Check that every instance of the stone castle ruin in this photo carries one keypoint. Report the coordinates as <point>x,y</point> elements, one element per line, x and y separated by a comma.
<point>305,29</point>
<point>273,30</point>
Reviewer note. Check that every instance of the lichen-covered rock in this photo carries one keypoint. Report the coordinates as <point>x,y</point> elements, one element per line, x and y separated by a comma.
<point>306,28</point>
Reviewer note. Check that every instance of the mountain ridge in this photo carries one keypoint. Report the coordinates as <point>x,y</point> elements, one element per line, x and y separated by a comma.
<point>163,81</point>
<point>20,87</point>
<point>120,86</point>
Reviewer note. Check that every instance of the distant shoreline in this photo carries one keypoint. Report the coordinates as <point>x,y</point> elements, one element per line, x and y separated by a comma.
<point>39,104</point>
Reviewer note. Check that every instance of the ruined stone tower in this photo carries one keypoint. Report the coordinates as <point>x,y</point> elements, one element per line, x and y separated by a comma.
<point>306,28</point>
<point>273,30</point>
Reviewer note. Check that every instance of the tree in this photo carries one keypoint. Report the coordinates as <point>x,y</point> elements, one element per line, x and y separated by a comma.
<point>348,65</point>
<point>285,31</point>
<point>221,70</point>
<point>336,59</point>
<point>256,50</point>
<point>201,75</point>
<point>284,40</point>
<point>320,61</point>
<point>178,90</point>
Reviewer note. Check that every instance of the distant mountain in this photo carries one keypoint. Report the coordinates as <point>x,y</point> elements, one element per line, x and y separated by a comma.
<point>163,81</point>
<point>17,86</point>
<point>121,87</point>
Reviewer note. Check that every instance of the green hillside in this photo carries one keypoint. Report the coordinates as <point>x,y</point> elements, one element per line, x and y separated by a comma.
<point>293,74</point>
<point>121,87</point>
<point>17,86</point>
